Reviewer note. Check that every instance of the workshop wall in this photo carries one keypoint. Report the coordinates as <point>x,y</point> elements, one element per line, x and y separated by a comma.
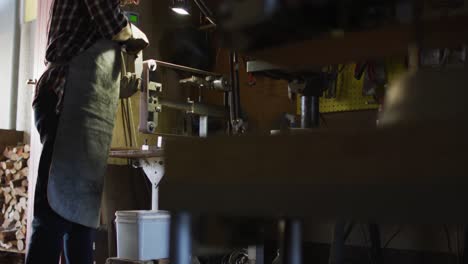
<point>9,34</point>
<point>26,71</point>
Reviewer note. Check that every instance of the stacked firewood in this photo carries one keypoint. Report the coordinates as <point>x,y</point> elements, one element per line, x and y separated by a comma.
<point>14,197</point>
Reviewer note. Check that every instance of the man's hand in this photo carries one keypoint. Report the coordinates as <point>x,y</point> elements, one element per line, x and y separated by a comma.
<point>129,2</point>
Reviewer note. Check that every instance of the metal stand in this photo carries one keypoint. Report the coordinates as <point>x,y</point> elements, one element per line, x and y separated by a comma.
<point>181,238</point>
<point>154,170</point>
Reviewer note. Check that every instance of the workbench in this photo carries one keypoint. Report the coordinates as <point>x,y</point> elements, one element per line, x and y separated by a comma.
<point>406,174</point>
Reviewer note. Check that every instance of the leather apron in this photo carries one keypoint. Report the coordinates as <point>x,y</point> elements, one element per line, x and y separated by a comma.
<point>84,134</point>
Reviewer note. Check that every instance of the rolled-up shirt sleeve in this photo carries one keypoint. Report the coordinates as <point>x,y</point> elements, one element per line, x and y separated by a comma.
<point>107,15</point>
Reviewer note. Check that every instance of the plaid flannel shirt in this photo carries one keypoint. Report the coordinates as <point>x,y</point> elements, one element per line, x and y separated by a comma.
<point>75,25</point>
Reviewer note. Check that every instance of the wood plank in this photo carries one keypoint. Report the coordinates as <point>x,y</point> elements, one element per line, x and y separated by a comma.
<point>12,250</point>
<point>416,173</point>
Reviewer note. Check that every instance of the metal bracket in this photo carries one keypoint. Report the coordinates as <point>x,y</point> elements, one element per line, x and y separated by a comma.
<point>154,170</point>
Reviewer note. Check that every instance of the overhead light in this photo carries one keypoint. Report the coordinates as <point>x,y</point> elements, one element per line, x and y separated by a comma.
<point>181,7</point>
<point>180,11</point>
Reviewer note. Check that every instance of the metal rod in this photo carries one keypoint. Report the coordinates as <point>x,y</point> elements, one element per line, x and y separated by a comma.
<point>310,115</point>
<point>165,135</point>
<point>184,68</point>
<point>236,85</point>
<point>155,197</point>
<point>195,108</point>
<point>235,89</point>
<point>231,93</point>
<point>203,129</point>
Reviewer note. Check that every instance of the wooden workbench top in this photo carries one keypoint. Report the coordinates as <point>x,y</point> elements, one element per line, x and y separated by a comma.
<point>411,172</point>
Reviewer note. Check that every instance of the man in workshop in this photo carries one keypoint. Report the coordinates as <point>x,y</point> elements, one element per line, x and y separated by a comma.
<point>75,104</point>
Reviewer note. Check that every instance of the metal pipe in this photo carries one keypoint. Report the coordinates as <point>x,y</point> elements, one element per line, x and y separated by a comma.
<point>194,108</point>
<point>235,91</point>
<point>236,87</point>
<point>183,68</point>
<point>203,129</point>
<point>310,115</point>
<point>155,197</point>
<point>231,96</point>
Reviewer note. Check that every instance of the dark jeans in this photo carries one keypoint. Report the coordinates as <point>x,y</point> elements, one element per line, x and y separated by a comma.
<point>52,234</point>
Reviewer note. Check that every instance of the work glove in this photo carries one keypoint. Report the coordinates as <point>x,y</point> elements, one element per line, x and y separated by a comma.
<point>137,42</point>
<point>132,38</point>
<point>125,34</point>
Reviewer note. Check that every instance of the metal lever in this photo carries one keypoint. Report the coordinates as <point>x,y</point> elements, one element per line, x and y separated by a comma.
<point>31,82</point>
